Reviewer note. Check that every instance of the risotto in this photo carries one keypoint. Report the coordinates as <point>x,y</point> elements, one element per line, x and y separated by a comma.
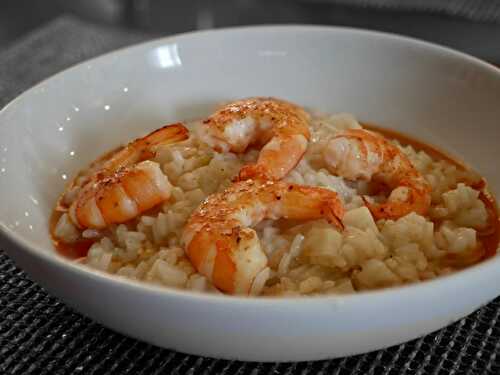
<point>366,250</point>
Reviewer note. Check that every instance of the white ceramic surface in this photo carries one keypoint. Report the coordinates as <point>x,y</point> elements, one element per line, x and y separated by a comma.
<point>52,130</point>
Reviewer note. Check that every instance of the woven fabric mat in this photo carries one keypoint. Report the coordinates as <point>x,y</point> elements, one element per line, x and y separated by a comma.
<point>40,335</point>
<point>474,10</point>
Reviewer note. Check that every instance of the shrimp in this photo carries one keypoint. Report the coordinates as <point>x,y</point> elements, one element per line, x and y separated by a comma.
<point>362,154</point>
<point>138,150</point>
<point>121,196</point>
<point>218,237</point>
<point>125,184</point>
<point>281,127</point>
<point>144,148</point>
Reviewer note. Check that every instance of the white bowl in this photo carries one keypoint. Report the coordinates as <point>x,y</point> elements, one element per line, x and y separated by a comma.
<point>446,98</point>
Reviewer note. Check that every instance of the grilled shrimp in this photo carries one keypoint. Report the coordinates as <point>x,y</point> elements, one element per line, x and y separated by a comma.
<point>125,184</point>
<point>362,154</point>
<point>282,128</point>
<point>121,196</point>
<point>144,148</point>
<point>218,237</point>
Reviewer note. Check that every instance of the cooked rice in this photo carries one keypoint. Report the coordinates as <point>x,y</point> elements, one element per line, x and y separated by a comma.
<point>305,259</point>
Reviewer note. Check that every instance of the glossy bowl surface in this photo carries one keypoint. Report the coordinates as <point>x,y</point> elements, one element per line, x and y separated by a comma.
<point>448,99</point>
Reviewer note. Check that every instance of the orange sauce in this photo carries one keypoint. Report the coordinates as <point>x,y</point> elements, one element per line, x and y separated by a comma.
<point>74,250</point>
<point>489,240</point>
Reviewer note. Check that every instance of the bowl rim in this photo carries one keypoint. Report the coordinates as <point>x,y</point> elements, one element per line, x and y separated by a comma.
<point>33,250</point>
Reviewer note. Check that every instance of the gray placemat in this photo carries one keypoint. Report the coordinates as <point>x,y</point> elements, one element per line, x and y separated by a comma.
<point>475,10</point>
<point>40,335</point>
<point>58,45</point>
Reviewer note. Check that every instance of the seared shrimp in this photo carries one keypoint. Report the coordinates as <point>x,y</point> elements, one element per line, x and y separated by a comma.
<point>125,184</point>
<point>362,154</point>
<point>218,237</point>
<point>281,127</point>
<point>144,148</point>
<point>121,196</point>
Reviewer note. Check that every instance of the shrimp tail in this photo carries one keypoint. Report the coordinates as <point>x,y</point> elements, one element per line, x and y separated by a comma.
<point>379,210</point>
<point>168,134</point>
<point>417,199</point>
<point>254,171</point>
<point>334,212</point>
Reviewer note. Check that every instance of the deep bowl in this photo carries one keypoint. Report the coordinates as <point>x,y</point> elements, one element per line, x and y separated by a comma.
<point>435,94</point>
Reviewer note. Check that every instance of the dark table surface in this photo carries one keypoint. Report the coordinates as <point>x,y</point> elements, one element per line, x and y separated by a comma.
<point>40,335</point>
